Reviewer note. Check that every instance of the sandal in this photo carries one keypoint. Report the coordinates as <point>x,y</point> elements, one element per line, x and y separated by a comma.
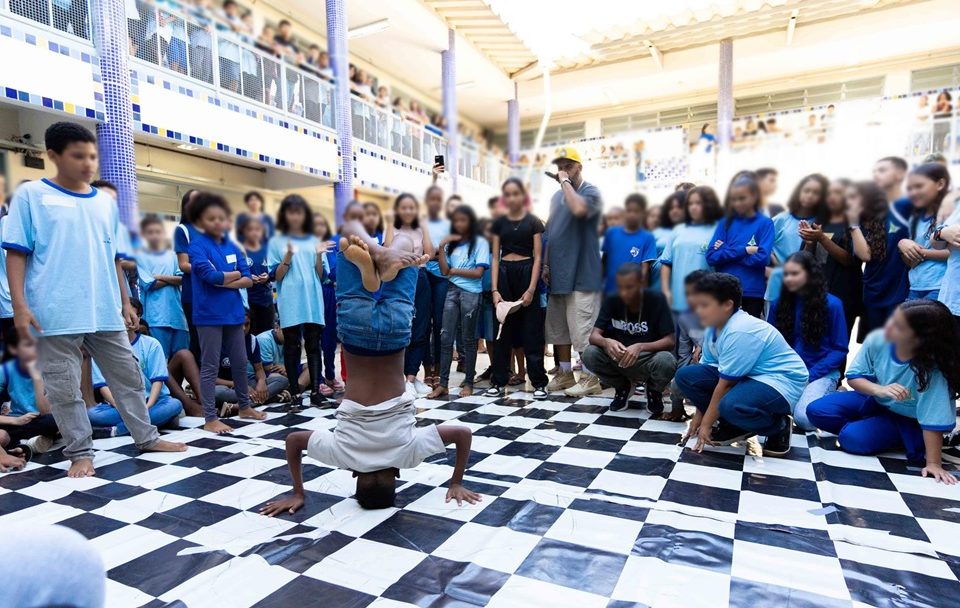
<point>229,409</point>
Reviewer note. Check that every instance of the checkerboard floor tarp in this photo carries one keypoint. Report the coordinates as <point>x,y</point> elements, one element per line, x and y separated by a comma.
<point>581,507</point>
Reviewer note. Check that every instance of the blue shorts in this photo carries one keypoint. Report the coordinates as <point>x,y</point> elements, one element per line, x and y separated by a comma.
<point>380,322</point>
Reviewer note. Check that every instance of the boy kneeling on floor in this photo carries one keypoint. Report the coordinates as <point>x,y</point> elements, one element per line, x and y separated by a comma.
<point>376,432</point>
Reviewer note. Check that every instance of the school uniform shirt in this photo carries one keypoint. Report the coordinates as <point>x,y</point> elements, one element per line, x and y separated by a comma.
<point>827,357</point>
<point>732,256</point>
<point>153,365</point>
<point>271,353</point>
<point>885,282</point>
<point>877,362</point>
<point>651,323</point>
<point>748,347</point>
<point>685,253</point>
<point>371,438</point>
<point>622,247</point>
<point>19,386</point>
<point>262,294</point>
<point>183,234</point>
<point>928,274</point>
<point>662,236</point>
<point>437,229</point>
<point>786,242</point>
<point>209,260</point>
<point>461,257</point>
<point>300,293</point>
<point>6,304</point>
<point>161,304</point>
<point>72,244</point>
<point>950,289</point>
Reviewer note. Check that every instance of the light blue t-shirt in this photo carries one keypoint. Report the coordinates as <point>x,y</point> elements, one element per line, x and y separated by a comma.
<point>928,274</point>
<point>950,288</point>
<point>438,229</point>
<point>161,302</point>
<point>19,385</point>
<point>153,365</point>
<point>461,258</point>
<point>300,293</point>
<point>877,362</point>
<point>663,236</point>
<point>271,353</point>
<point>748,347</point>
<point>786,242</point>
<point>6,305</point>
<point>685,253</point>
<point>72,242</point>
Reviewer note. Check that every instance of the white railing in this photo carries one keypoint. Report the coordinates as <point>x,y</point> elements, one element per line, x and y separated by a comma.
<point>67,16</point>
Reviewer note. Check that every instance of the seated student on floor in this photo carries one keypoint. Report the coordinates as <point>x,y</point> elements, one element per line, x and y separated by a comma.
<point>376,432</point>
<point>633,340</point>
<point>813,322</point>
<point>266,387</point>
<point>689,345</point>
<point>161,406</point>
<point>748,377</point>
<point>29,417</point>
<point>271,355</point>
<point>905,380</point>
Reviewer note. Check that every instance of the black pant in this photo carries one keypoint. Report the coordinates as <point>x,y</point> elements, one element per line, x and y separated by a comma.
<point>194,337</point>
<point>261,318</point>
<point>5,326</point>
<point>753,306</point>
<point>528,321</point>
<point>311,334</point>
<point>41,425</point>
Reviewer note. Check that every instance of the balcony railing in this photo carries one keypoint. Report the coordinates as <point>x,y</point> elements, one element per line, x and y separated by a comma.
<point>68,16</point>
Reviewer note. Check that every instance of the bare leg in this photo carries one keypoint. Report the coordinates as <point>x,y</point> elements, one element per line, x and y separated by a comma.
<point>562,353</point>
<point>182,366</point>
<point>388,260</point>
<point>190,407</point>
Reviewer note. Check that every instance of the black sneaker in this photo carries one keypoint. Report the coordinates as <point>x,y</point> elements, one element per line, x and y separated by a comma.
<point>620,401</point>
<point>486,375</point>
<point>318,400</point>
<point>655,402</point>
<point>539,394</point>
<point>726,433</point>
<point>104,432</point>
<point>778,444</point>
<point>493,391</point>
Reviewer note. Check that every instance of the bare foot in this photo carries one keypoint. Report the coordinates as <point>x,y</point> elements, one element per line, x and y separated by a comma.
<point>217,427</point>
<point>357,252</point>
<point>440,391</point>
<point>166,446</point>
<point>466,391</point>
<point>398,256</point>
<point>249,412</point>
<point>81,468</point>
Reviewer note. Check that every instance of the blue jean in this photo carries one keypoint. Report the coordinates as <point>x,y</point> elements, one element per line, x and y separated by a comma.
<point>328,339</point>
<point>817,389</point>
<point>863,426</point>
<point>171,340</point>
<point>419,348</point>
<point>923,294</point>
<point>750,405</point>
<point>438,295</point>
<point>165,409</point>
<point>374,322</point>
<point>461,311</point>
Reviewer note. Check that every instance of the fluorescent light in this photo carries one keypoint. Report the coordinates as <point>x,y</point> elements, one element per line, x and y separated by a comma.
<point>655,53</point>
<point>370,28</point>
<point>186,147</point>
<point>467,85</point>
<point>792,25</point>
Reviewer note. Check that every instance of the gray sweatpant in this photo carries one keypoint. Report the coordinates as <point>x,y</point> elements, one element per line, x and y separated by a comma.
<point>655,369</point>
<point>59,359</point>
<point>214,341</point>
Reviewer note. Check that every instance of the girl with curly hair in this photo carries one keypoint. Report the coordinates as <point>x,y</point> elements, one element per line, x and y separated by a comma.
<point>904,381</point>
<point>812,322</point>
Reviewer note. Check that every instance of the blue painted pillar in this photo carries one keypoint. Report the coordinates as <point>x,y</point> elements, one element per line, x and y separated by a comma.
<point>115,136</point>
<point>725,96</point>
<point>513,129</point>
<point>339,62</point>
<point>449,63</point>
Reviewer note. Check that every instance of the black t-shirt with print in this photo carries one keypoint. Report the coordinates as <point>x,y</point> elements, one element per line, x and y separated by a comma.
<point>517,236</point>
<point>653,322</point>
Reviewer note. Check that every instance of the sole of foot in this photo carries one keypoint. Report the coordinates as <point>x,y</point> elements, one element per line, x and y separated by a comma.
<point>81,468</point>
<point>358,253</point>
<point>391,260</point>
<point>217,427</point>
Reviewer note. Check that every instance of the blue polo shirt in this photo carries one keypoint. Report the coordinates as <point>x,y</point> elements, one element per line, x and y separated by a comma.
<point>748,347</point>
<point>209,260</point>
<point>19,385</point>
<point>161,303</point>
<point>621,247</point>
<point>153,365</point>
<point>72,242</point>
<point>877,362</point>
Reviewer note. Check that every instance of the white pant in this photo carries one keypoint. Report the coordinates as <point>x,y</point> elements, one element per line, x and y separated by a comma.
<point>816,389</point>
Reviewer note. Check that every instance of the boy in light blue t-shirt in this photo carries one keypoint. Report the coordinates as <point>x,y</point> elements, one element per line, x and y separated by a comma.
<point>62,239</point>
<point>29,417</point>
<point>748,377</point>
<point>160,279</point>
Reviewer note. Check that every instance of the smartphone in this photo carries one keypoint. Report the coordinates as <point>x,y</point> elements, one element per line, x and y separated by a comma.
<point>438,160</point>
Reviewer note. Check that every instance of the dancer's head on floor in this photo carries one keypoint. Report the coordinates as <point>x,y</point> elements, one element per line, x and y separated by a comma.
<point>377,489</point>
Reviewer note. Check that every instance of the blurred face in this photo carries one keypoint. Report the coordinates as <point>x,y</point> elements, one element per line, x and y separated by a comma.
<point>77,162</point>
<point>213,221</point>
<point>836,198</point>
<point>155,236</point>
<point>854,200</point>
<point>460,223</point>
<point>570,167</point>
<point>742,200</point>
<point>407,211</point>
<point>25,350</point>
<point>255,204</point>
<point>615,218</point>
<point>886,175</point>
<point>653,218</point>
<point>253,232</point>
<point>371,218</point>
<point>695,208</point>
<point>320,226</point>
<point>513,198</point>
<point>794,277</point>
<point>434,201</point>
<point>633,215</point>
<point>710,311</point>
<point>810,193</point>
<point>922,190</point>
<point>354,213</point>
<point>628,287</point>
<point>768,184</point>
<point>295,218</point>
<point>898,331</point>
<point>677,214</point>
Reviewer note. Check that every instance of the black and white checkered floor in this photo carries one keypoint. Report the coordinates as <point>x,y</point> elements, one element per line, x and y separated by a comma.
<point>582,508</point>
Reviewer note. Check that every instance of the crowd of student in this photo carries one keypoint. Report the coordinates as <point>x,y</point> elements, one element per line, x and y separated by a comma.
<point>744,316</point>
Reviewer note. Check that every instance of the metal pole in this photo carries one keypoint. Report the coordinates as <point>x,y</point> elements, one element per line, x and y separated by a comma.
<point>449,65</point>
<point>513,129</point>
<point>725,95</point>
<point>337,48</point>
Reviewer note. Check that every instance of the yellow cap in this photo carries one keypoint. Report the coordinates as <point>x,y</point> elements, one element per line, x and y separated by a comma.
<point>568,153</point>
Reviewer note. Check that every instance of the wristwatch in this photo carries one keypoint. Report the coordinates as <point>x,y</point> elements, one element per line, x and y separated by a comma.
<point>936,233</point>
<point>566,180</point>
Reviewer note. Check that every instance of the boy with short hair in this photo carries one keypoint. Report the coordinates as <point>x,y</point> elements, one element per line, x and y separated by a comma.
<point>629,243</point>
<point>66,283</point>
<point>161,405</point>
<point>376,432</point>
<point>29,417</point>
<point>748,377</point>
<point>160,278</point>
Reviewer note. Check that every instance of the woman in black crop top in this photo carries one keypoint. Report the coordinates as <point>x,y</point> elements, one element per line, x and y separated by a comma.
<point>517,252</point>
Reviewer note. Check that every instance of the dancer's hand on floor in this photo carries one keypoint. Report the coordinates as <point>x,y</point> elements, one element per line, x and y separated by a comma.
<point>290,504</point>
<point>459,493</point>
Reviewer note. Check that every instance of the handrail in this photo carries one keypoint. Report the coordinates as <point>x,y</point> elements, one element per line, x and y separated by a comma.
<point>73,21</point>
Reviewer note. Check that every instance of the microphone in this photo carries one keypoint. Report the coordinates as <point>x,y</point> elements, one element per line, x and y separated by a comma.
<point>552,176</point>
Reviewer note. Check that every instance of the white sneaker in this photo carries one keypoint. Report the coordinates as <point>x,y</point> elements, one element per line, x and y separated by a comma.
<point>588,385</point>
<point>40,444</point>
<point>421,388</point>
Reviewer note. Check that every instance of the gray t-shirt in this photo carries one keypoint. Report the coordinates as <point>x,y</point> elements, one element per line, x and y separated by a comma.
<point>573,245</point>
